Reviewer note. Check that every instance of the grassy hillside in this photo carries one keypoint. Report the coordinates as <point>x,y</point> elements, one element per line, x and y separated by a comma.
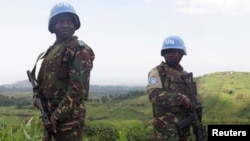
<point>137,108</point>
<point>225,97</point>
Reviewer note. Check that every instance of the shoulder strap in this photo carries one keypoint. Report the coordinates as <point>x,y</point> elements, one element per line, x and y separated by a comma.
<point>80,44</point>
<point>162,73</point>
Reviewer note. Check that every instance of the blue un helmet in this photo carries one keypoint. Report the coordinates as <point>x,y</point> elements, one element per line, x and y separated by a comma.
<point>173,42</point>
<point>60,8</point>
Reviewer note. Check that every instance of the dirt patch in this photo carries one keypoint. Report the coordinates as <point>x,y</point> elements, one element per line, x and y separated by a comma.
<point>239,97</point>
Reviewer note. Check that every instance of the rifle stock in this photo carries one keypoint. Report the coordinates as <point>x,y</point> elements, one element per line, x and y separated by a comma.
<point>37,95</point>
<point>198,128</point>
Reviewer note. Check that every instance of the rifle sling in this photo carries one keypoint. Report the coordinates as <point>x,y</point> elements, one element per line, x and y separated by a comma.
<point>33,72</point>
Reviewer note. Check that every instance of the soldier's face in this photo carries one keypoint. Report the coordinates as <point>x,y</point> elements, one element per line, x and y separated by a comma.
<point>64,26</point>
<point>172,56</point>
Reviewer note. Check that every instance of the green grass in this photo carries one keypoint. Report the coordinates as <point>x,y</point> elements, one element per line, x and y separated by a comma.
<point>14,128</point>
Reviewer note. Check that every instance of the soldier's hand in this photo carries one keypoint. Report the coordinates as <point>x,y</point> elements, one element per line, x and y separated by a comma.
<point>53,123</point>
<point>186,102</point>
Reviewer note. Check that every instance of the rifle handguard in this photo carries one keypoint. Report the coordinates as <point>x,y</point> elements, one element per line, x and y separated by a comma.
<point>187,121</point>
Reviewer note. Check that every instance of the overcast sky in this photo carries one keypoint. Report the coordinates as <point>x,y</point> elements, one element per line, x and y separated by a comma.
<point>127,35</point>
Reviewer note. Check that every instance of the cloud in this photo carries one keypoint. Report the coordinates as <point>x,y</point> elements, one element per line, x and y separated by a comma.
<point>209,7</point>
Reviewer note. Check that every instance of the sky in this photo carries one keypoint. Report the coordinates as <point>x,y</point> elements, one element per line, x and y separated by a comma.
<point>127,36</point>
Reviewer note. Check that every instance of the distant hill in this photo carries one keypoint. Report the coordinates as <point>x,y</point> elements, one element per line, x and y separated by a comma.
<point>95,89</point>
<point>19,86</point>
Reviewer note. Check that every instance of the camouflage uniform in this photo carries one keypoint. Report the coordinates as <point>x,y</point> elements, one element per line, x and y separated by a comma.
<point>165,90</point>
<point>63,80</point>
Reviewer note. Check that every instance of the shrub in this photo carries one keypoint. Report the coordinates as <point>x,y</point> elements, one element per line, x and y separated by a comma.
<point>99,131</point>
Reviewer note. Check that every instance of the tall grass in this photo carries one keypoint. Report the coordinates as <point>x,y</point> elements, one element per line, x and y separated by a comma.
<point>122,133</point>
<point>15,129</point>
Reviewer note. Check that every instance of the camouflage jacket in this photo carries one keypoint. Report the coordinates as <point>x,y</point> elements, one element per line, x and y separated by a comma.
<point>166,88</point>
<point>64,76</point>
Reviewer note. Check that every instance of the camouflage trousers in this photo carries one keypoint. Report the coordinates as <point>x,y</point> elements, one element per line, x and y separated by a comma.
<point>71,128</point>
<point>74,134</point>
<point>165,128</point>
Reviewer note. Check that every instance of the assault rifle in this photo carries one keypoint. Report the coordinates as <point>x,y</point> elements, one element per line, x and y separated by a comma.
<point>37,95</point>
<point>196,116</point>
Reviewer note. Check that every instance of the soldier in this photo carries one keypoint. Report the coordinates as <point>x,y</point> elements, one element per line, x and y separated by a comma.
<point>64,76</point>
<point>168,93</point>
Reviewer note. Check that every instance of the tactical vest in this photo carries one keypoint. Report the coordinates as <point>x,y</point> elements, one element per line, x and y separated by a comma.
<point>53,77</point>
<point>171,82</point>
<point>171,79</point>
